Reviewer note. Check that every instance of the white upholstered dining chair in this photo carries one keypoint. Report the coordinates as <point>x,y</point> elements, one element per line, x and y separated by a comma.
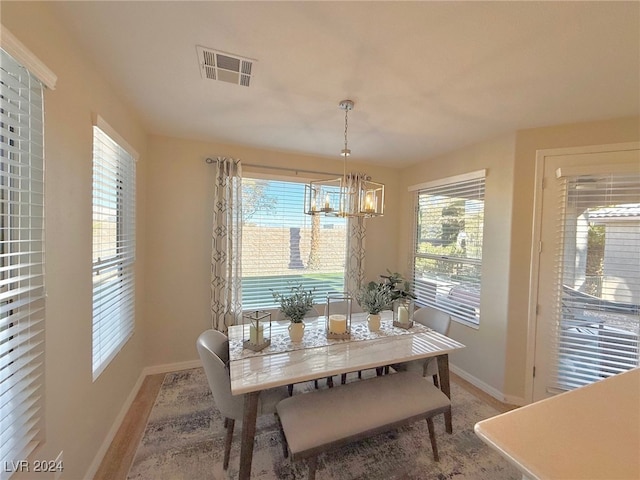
<point>438,321</point>
<point>213,348</point>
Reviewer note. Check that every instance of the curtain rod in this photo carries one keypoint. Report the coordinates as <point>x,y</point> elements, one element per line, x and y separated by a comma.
<point>285,169</point>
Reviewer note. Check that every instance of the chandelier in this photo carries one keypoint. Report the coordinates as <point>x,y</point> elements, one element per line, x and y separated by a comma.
<point>352,194</point>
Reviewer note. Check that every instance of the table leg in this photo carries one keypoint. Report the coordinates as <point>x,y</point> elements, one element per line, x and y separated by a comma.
<point>445,386</point>
<point>248,434</point>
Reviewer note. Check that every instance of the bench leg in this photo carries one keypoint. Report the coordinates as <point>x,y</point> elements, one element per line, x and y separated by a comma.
<point>432,437</point>
<point>313,464</point>
<point>227,442</point>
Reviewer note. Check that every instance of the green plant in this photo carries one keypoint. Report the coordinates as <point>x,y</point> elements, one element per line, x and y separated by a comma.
<point>397,286</point>
<point>296,304</point>
<point>374,298</point>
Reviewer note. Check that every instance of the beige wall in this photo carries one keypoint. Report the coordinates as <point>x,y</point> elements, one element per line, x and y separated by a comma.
<point>484,355</point>
<point>172,304</point>
<point>79,412</point>
<point>496,353</point>
<point>172,273</point>
<point>527,143</point>
<point>179,232</point>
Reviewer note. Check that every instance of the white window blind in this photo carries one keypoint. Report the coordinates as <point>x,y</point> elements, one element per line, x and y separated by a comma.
<point>114,178</point>
<point>598,271</point>
<point>447,257</point>
<point>22,303</point>
<point>282,247</point>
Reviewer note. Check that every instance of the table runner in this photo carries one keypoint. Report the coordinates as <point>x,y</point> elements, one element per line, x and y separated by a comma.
<point>315,336</point>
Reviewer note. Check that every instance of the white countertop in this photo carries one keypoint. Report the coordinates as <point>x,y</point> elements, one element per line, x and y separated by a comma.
<point>589,433</point>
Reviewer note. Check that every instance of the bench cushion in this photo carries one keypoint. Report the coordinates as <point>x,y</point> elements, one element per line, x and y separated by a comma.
<point>311,421</point>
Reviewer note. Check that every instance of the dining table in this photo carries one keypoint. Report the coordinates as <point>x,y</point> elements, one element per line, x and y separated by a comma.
<point>284,362</point>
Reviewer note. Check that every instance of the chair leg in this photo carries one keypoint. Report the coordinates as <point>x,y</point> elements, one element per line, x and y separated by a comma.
<point>343,380</point>
<point>290,389</point>
<point>285,445</point>
<point>313,464</point>
<point>432,437</point>
<point>435,381</point>
<point>359,374</point>
<point>330,382</point>
<point>227,443</point>
<point>315,383</point>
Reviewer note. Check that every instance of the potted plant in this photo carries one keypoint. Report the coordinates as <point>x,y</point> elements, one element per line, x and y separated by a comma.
<point>295,306</point>
<point>401,298</point>
<point>374,298</point>
<point>397,286</point>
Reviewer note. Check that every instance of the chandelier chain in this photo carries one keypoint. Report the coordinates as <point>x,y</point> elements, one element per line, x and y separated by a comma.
<point>346,127</point>
<point>346,147</point>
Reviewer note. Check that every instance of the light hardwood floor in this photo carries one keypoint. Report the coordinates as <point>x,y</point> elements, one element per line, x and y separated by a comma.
<point>117,460</point>
<point>119,456</point>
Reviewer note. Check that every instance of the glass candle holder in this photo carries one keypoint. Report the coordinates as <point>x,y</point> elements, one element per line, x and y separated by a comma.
<point>403,312</point>
<point>258,335</point>
<point>338,316</point>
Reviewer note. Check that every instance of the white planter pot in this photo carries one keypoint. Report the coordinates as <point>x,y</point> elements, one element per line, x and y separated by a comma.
<point>296,331</point>
<point>373,321</point>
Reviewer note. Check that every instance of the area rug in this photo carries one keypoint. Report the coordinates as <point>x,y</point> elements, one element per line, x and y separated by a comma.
<point>184,439</point>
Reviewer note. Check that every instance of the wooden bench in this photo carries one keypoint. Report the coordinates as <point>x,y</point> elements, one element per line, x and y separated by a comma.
<point>312,423</point>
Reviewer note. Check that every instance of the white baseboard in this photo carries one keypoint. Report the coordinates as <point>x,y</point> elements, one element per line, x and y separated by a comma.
<point>166,368</point>
<point>513,400</point>
<point>171,367</point>
<point>486,388</point>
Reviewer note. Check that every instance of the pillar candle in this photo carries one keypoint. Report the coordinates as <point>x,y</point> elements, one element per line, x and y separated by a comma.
<point>337,324</point>
<point>403,314</point>
<point>256,334</point>
<point>368,203</point>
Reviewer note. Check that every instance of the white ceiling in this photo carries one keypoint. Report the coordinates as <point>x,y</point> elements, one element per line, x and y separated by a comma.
<point>426,77</point>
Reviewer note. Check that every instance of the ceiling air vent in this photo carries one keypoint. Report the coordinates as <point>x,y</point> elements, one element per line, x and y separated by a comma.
<point>225,67</point>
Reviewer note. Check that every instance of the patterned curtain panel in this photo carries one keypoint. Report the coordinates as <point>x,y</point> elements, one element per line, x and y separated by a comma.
<point>354,264</point>
<point>226,242</point>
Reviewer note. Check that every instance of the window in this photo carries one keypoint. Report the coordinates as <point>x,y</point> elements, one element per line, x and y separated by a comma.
<point>281,246</point>
<point>114,204</point>
<point>598,311</point>
<point>447,255</point>
<point>22,304</point>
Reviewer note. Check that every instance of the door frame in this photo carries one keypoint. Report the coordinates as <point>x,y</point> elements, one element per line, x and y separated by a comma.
<point>541,156</point>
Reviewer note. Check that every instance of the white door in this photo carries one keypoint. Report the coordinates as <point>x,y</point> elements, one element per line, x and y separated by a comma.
<point>588,272</point>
